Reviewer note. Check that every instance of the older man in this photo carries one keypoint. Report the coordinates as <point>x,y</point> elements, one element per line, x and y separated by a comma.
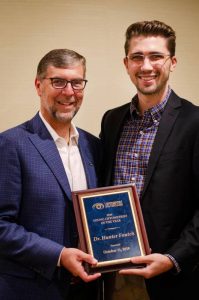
<point>41,162</point>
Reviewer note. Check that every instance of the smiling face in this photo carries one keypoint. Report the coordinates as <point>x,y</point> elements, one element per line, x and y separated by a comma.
<point>59,106</point>
<point>149,77</point>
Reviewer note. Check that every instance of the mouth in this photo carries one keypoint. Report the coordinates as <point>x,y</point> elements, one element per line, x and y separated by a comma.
<point>66,103</point>
<point>147,77</point>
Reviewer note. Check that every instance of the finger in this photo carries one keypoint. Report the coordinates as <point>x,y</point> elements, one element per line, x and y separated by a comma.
<point>93,276</point>
<point>131,272</point>
<point>87,278</point>
<point>89,259</point>
<point>139,260</point>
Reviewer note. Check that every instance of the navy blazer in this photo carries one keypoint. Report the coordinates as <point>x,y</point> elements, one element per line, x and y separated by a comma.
<point>170,199</point>
<point>36,211</point>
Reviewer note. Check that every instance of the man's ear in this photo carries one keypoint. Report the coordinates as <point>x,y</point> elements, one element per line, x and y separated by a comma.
<point>125,61</point>
<point>173,63</point>
<point>38,86</point>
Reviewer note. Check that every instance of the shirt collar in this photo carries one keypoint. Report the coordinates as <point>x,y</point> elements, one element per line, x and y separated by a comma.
<point>155,111</point>
<point>74,134</point>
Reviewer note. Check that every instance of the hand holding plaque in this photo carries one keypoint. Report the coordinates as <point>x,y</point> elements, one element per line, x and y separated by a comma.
<point>110,226</point>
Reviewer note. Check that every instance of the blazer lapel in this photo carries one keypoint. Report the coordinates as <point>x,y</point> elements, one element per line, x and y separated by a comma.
<point>166,124</point>
<point>48,150</point>
<point>113,132</point>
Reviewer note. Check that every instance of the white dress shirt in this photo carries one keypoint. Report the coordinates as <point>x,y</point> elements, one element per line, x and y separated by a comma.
<point>70,156</point>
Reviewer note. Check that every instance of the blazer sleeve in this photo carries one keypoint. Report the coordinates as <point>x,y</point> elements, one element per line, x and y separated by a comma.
<point>16,243</point>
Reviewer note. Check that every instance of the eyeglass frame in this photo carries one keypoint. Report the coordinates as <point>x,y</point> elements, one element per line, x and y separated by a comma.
<point>66,82</point>
<point>153,63</point>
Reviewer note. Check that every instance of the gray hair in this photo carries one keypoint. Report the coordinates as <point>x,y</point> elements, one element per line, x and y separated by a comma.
<point>60,58</point>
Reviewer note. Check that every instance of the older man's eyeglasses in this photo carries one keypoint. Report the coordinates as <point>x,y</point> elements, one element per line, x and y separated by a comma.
<point>153,58</point>
<point>60,83</point>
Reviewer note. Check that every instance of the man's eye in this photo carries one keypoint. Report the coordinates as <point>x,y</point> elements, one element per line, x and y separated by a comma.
<point>154,57</point>
<point>77,82</point>
<point>136,57</point>
<point>58,81</point>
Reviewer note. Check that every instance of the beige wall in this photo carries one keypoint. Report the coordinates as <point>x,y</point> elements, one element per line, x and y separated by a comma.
<point>30,28</point>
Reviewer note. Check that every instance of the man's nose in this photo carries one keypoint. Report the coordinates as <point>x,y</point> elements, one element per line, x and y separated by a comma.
<point>146,64</point>
<point>68,89</point>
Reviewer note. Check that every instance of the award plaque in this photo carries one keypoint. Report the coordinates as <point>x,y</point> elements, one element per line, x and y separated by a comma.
<point>111,226</point>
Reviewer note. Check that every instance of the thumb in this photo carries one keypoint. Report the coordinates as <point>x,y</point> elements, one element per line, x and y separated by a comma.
<point>138,260</point>
<point>89,259</point>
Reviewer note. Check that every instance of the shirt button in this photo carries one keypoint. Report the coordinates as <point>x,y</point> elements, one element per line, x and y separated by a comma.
<point>136,155</point>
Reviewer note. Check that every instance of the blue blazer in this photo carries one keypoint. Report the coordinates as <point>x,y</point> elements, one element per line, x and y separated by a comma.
<point>36,211</point>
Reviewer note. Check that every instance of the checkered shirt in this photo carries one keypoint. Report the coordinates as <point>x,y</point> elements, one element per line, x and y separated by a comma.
<point>135,144</point>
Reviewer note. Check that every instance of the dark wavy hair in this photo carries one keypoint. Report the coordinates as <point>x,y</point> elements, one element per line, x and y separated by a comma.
<point>151,28</point>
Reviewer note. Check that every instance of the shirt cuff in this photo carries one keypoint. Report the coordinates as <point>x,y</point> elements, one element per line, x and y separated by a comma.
<point>58,263</point>
<point>175,263</point>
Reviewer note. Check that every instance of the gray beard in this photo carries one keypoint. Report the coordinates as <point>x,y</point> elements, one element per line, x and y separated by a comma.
<point>64,117</point>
